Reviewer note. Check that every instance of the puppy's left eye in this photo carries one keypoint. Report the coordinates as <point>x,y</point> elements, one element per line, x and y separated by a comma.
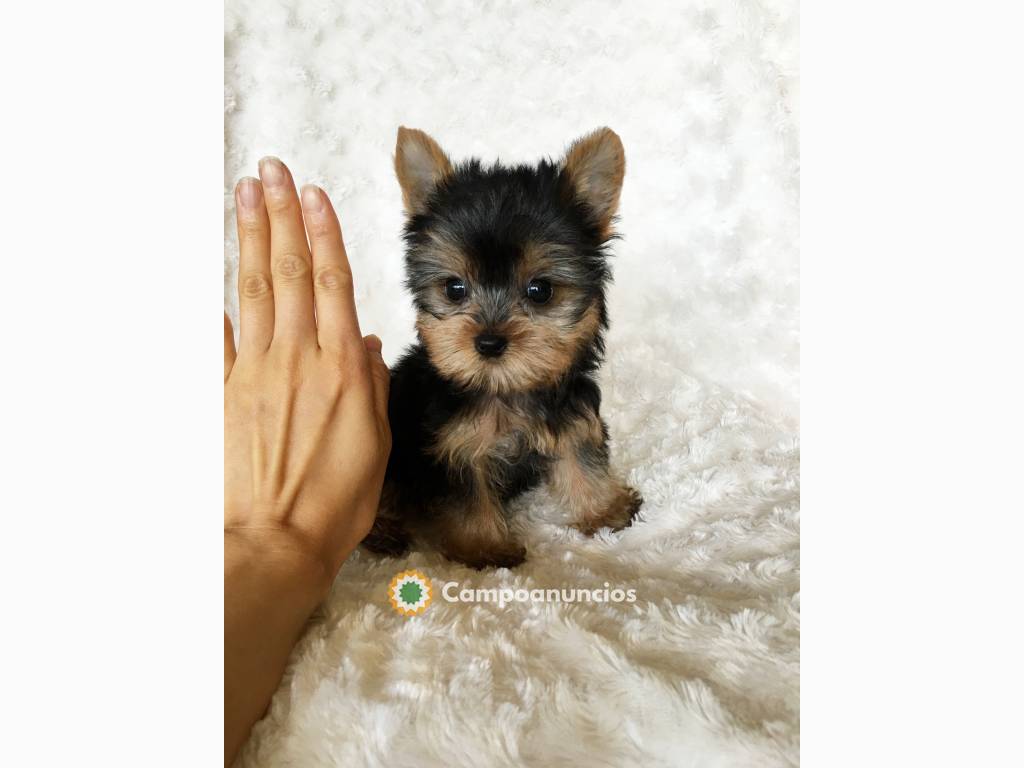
<point>455,289</point>
<point>539,291</point>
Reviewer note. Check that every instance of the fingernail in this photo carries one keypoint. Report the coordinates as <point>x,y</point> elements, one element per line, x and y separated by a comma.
<point>249,192</point>
<point>272,171</point>
<point>312,199</point>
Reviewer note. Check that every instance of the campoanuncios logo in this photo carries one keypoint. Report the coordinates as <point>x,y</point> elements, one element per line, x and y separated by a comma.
<point>410,592</point>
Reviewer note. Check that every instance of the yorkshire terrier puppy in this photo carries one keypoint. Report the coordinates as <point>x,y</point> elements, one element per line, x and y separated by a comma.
<point>507,267</point>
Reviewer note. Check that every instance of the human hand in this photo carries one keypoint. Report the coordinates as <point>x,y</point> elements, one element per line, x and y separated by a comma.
<point>306,435</point>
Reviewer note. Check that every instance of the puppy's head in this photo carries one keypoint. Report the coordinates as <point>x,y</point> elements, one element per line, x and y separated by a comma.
<point>507,265</point>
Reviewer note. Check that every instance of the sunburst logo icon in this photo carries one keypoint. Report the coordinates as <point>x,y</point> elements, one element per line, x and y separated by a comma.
<point>410,592</point>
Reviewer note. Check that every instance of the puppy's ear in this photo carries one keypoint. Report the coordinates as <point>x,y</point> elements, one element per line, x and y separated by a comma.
<point>419,164</point>
<point>594,166</point>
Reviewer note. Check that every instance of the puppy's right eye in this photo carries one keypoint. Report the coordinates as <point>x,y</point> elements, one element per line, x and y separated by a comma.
<point>455,289</point>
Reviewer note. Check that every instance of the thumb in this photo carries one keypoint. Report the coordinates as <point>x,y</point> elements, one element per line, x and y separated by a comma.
<point>380,373</point>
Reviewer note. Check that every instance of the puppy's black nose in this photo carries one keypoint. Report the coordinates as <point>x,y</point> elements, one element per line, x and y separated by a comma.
<point>490,344</point>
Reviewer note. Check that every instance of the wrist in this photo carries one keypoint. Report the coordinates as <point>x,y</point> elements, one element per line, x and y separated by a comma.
<point>273,583</point>
<point>283,556</point>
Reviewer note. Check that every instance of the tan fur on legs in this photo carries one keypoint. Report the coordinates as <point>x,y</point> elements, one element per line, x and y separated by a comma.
<point>475,532</point>
<point>581,480</point>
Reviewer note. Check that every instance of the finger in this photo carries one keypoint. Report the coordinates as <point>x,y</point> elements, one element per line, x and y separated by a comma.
<point>380,374</point>
<point>229,346</point>
<point>255,294</point>
<point>337,324</point>
<point>289,256</point>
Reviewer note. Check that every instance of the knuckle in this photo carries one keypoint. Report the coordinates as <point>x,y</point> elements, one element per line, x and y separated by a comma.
<point>256,285</point>
<point>333,278</point>
<point>291,266</point>
<point>250,230</point>
<point>350,368</point>
<point>321,228</point>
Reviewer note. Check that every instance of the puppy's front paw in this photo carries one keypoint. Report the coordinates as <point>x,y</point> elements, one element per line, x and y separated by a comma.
<point>617,515</point>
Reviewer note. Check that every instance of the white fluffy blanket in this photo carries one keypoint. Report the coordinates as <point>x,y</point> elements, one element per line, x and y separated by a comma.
<point>700,383</point>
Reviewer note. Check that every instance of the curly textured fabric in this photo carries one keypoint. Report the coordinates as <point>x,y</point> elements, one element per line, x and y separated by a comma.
<point>700,384</point>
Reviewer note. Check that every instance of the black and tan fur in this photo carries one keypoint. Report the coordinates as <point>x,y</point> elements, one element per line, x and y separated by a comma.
<point>471,432</point>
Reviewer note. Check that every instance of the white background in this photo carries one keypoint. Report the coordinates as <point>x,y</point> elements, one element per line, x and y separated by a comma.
<point>911,406</point>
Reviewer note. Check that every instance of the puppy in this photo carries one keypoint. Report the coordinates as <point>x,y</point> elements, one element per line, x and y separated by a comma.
<point>507,267</point>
